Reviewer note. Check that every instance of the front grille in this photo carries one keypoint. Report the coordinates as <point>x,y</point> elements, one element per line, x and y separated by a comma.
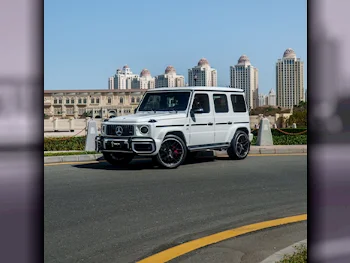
<point>127,130</point>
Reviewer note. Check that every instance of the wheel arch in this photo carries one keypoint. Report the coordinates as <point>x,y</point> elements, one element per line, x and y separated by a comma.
<point>234,130</point>
<point>179,134</point>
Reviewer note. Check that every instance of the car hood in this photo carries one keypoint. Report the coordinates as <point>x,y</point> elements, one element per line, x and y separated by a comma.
<point>141,117</point>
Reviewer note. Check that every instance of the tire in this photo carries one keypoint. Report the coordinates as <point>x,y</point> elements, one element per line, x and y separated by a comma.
<point>118,159</point>
<point>171,156</point>
<point>240,146</point>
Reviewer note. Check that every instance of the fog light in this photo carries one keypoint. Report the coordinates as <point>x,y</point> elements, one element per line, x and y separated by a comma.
<point>144,129</point>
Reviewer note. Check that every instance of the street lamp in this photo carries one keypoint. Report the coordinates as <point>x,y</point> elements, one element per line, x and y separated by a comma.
<point>195,79</point>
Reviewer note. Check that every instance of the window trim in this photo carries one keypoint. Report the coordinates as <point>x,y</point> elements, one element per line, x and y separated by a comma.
<point>200,93</point>
<point>221,94</point>
<point>233,107</point>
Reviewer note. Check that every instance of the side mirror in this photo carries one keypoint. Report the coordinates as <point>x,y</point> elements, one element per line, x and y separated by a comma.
<point>135,110</point>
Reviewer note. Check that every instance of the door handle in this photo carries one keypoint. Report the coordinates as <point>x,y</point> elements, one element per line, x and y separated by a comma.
<point>210,123</point>
<point>229,123</point>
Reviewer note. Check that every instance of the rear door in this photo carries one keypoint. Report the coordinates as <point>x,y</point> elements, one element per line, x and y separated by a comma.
<point>222,118</point>
<point>241,115</point>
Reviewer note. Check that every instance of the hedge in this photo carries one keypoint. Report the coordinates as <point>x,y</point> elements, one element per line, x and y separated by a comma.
<point>65,144</point>
<point>286,139</point>
<point>299,256</point>
<point>276,132</point>
<point>78,143</point>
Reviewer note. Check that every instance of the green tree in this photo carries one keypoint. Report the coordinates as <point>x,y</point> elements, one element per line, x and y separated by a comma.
<point>86,114</point>
<point>299,117</point>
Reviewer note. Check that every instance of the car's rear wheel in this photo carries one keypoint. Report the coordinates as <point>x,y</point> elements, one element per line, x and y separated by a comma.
<point>118,159</point>
<point>240,146</point>
<point>172,152</point>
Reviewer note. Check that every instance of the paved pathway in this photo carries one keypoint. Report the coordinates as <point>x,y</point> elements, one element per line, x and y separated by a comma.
<point>97,213</point>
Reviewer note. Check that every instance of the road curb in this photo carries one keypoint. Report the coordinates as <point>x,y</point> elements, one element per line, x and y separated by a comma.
<point>290,149</point>
<point>72,158</point>
<point>286,251</point>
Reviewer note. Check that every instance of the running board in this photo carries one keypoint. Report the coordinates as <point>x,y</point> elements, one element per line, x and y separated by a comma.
<point>215,146</point>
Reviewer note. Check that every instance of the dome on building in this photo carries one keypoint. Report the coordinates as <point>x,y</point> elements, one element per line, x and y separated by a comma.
<point>170,69</point>
<point>126,66</point>
<point>145,72</point>
<point>203,62</point>
<point>289,53</point>
<point>243,60</point>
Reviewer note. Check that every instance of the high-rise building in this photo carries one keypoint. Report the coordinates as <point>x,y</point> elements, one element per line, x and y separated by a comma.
<point>111,83</point>
<point>244,76</point>
<point>305,95</point>
<point>123,79</point>
<point>146,81</point>
<point>271,98</point>
<point>289,80</point>
<point>202,75</point>
<point>262,100</point>
<point>169,79</point>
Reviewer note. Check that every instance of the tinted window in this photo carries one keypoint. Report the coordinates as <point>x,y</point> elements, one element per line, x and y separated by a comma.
<point>165,101</point>
<point>220,102</point>
<point>238,103</point>
<point>201,101</point>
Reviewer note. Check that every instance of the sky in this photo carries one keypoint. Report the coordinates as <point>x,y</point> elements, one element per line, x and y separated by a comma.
<point>86,41</point>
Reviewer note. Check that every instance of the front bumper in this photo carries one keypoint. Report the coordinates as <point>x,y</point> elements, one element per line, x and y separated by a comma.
<point>136,145</point>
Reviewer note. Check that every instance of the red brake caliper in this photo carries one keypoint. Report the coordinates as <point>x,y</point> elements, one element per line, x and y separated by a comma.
<point>175,151</point>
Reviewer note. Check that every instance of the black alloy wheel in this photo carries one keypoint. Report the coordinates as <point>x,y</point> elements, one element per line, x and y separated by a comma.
<point>172,152</point>
<point>240,146</point>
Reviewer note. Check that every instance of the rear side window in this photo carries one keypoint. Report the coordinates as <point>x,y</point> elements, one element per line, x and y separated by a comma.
<point>238,103</point>
<point>220,103</point>
<point>201,101</point>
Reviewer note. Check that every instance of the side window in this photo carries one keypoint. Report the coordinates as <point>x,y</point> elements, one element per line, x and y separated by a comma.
<point>201,101</point>
<point>220,103</point>
<point>238,103</point>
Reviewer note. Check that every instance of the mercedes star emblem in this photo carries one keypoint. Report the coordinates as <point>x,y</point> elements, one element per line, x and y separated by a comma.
<point>119,130</point>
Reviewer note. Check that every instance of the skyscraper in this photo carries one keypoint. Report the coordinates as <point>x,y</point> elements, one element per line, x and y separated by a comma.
<point>289,80</point>
<point>271,98</point>
<point>263,100</point>
<point>202,75</point>
<point>123,79</point>
<point>169,79</point>
<point>244,76</point>
<point>146,81</point>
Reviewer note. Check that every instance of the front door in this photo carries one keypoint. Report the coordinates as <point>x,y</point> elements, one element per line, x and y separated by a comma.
<point>202,123</point>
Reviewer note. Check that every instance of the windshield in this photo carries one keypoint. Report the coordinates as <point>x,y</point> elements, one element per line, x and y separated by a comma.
<point>165,101</point>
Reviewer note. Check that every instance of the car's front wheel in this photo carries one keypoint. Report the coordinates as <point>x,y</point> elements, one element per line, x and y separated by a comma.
<point>118,159</point>
<point>240,146</point>
<point>172,152</point>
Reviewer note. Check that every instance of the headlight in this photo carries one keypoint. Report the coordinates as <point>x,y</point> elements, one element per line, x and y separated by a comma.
<point>144,129</point>
<point>103,129</point>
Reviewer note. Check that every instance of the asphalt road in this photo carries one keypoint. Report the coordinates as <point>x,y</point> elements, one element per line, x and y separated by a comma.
<point>97,213</point>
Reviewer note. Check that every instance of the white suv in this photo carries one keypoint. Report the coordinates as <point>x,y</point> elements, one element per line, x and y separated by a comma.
<point>172,124</point>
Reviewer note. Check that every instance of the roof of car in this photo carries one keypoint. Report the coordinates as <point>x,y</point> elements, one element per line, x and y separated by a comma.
<point>225,89</point>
